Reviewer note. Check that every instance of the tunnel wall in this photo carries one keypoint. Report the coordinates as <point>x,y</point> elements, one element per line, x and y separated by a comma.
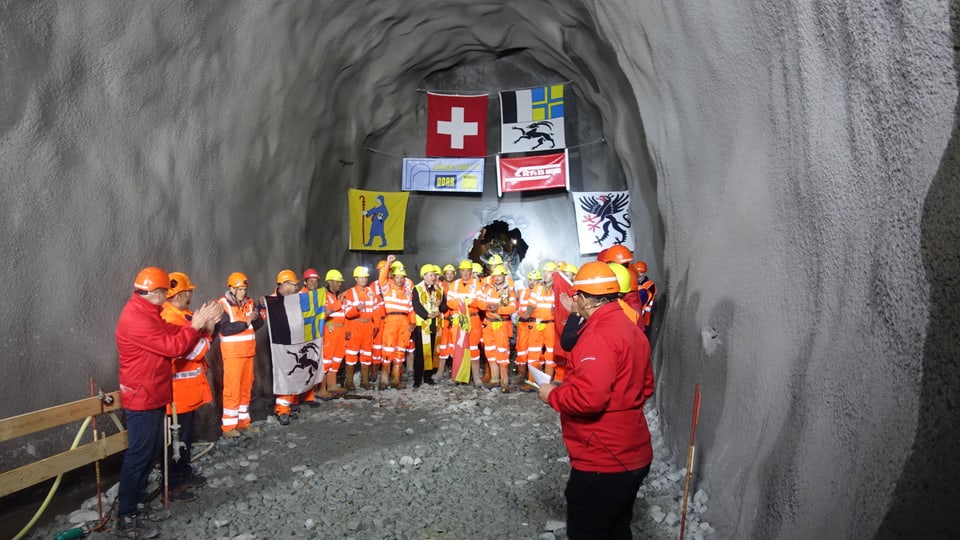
<point>789,149</point>
<point>795,144</point>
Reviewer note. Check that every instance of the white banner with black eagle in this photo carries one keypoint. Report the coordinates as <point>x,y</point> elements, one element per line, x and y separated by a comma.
<point>603,220</point>
<point>295,323</point>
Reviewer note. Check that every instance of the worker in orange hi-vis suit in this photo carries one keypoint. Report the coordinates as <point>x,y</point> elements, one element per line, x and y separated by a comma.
<point>466,289</point>
<point>500,302</point>
<point>361,308</point>
<point>287,405</point>
<point>190,386</point>
<point>398,323</point>
<point>525,307</point>
<point>334,339</point>
<point>445,330</point>
<point>543,336</point>
<point>238,345</point>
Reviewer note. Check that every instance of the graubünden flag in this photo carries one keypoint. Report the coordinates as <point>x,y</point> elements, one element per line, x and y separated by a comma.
<point>456,125</point>
<point>295,323</point>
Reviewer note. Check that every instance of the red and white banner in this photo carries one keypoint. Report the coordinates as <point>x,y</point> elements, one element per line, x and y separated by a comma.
<point>456,125</point>
<point>527,173</point>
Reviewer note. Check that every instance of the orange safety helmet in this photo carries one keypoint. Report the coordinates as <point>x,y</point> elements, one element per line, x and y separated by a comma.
<point>310,273</point>
<point>618,254</point>
<point>179,282</point>
<point>151,278</point>
<point>237,279</point>
<point>596,278</point>
<point>287,275</point>
<point>640,267</point>
<point>623,276</point>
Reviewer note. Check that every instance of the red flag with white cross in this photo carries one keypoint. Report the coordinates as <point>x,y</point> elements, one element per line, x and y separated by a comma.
<point>456,125</point>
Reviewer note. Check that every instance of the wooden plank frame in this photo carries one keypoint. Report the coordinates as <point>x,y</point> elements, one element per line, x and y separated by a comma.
<point>33,422</point>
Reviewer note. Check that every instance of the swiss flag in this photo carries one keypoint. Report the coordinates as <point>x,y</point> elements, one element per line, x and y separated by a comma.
<point>456,125</point>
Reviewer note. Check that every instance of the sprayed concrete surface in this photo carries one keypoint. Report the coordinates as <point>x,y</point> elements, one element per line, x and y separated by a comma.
<point>792,167</point>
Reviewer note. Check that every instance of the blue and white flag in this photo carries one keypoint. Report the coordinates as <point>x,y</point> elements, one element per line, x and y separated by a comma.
<point>603,220</point>
<point>443,174</point>
<point>532,119</point>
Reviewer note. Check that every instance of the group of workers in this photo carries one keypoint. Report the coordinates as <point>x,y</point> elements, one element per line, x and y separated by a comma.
<point>443,319</point>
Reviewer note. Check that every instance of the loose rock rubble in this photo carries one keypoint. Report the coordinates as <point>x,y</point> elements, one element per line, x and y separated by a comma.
<point>438,462</point>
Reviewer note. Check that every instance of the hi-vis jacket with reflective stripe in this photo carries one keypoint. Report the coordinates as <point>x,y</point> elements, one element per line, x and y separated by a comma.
<point>190,386</point>
<point>237,338</point>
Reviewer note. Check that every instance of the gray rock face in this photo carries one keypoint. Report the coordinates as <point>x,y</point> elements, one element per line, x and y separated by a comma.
<point>793,168</point>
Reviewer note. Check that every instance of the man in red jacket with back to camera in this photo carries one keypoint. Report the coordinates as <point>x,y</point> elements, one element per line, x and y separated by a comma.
<point>146,345</point>
<point>608,378</point>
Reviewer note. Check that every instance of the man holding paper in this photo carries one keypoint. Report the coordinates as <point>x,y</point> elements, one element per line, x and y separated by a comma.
<point>608,379</point>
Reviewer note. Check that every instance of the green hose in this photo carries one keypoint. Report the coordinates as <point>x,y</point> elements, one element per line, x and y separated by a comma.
<point>53,488</point>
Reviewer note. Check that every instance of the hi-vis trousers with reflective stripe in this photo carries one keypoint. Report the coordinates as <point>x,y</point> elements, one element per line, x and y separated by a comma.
<point>237,386</point>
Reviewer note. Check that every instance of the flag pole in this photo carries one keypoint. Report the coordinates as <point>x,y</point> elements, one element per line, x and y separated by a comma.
<point>690,452</point>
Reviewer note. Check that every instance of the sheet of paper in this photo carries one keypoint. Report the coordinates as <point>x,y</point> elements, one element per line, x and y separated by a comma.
<point>538,376</point>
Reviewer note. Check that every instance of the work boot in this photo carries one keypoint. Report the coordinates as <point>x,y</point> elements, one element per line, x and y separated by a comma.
<point>441,367</point>
<point>396,382</point>
<point>504,378</point>
<point>249,429</point>
<point>521,373</point>
<point>182,495</point>
<point>384,377</point>
<point>349,380</point>
<point>365,377</point>
<point>231,434</point>
<point>331,384</point>
<point>131,526</point>
<point>493,375</point>
<point>475,371</point>
<point>283,419</point>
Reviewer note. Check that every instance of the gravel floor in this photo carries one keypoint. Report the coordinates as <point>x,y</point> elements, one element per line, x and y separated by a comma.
<point>437,462</point>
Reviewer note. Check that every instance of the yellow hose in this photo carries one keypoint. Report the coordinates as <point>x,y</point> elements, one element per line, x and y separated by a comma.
<point>53,488</point>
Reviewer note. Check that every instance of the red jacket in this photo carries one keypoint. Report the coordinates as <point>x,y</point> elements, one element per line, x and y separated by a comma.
<point>146,344</point>
<point>600,402</point>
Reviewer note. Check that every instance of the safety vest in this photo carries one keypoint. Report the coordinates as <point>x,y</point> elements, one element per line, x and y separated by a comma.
<point>361,303</point>
<point>466,291</point>
<point>244,343</point>
<point>651,289</point>
<point>629,311</point>
<point>430,300</point>
<point>505,298</point>
<point>542,298</point>
<point>190,386</point>
<point>396,299</point>
<point>524,300</point>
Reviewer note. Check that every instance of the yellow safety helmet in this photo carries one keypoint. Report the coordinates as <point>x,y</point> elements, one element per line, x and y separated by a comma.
<point>448,268</point>
<point>498,270</point>
<point>466,264</point>
<point>179,282</point>
<point>494,260</point>
<point>436,269</point>
<point>237,279</point>
<point>477,269</point>
<point>361,271</point>
<point>333,275</point>
<point>623,276</point>
<point>535,275</point>
<point>572,268</point>
<point>399,271</point>
<point>549,266</point>
<point>287,275</point>
<point>427,268</point>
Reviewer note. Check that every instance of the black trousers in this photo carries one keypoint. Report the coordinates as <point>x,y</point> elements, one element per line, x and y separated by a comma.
<point>418,354</point>
<point>600,505</point>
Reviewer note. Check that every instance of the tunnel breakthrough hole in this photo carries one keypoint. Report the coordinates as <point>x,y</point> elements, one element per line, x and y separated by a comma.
<point>497,238</point>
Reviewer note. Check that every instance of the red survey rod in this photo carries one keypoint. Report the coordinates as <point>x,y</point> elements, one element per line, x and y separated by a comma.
<point>690,451</point>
